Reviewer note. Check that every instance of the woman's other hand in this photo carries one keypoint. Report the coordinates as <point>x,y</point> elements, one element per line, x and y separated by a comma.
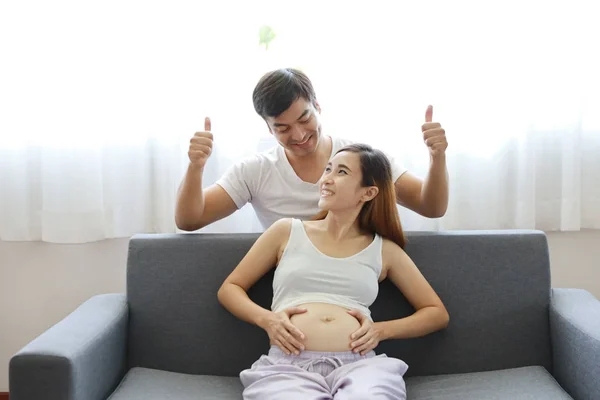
<point>282,332</point>
<point>367,337</point>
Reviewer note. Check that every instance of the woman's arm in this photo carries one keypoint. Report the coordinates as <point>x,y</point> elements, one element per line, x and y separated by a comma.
<point>260,259</point>
<point>430,315</point>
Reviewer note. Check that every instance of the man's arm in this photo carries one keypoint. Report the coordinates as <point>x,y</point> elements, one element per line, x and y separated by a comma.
<point>430,197</point>
<point>197,208</point>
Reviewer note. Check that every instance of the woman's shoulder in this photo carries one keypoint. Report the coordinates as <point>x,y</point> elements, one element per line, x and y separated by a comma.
<point>277,235</point>
<point>390,250</point>
<point>281,226</point>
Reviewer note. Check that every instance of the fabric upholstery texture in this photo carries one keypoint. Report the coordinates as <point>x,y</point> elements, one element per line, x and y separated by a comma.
<point>510,336</point>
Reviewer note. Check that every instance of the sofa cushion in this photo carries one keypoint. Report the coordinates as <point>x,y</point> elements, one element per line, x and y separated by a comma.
<point>152,384</point>
<point>495,285</point>
<point>527,383</point>
<point>513,384</point>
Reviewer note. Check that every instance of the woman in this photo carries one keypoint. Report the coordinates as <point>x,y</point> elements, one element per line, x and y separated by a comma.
<point>328,273</point>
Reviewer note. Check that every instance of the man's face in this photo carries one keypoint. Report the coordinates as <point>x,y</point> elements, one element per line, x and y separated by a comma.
<point>297,129</point>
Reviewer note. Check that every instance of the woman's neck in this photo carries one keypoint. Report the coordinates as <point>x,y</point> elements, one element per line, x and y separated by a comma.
<point>342,224</point>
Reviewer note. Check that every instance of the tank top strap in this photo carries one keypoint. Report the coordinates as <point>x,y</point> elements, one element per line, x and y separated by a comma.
<point>296,239</point>
<point>296,231</point>
<point>375,253</point>
<point>379,250</point>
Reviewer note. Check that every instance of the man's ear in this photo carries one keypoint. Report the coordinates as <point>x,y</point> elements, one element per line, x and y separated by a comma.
<point>318,106</point>
<point>370,193</point>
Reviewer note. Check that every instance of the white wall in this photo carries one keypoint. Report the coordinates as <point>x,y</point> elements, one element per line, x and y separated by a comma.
<point>41,283</point>
<point>575,260</point>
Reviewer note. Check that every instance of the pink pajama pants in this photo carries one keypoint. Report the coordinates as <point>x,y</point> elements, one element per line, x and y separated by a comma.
<point>324,376</point>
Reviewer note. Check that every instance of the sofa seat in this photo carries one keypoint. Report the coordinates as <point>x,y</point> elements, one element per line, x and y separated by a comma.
<point>526,383</point>
<point>152,384</point>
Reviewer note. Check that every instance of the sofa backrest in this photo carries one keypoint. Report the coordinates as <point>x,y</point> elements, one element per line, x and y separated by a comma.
<point>495,285</point>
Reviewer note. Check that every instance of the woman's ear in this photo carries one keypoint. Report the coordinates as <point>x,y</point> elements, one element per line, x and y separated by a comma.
<point>370,193</point>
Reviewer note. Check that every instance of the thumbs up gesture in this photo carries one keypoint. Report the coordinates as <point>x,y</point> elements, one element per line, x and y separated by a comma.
<point>201,146</point>
<point>434,135</point>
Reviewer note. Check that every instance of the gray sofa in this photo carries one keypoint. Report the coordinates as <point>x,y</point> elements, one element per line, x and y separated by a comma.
<point>510,336</point>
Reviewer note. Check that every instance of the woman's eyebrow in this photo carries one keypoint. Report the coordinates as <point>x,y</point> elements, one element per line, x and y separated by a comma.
<point>340,166</point>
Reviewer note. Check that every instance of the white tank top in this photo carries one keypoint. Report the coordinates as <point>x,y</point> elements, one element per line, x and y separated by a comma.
<point>306,275</point>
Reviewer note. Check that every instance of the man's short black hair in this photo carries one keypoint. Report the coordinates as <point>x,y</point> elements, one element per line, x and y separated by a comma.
<point>277,90</point>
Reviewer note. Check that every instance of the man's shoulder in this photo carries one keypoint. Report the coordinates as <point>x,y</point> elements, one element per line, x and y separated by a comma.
<point>262,159</point>
<point>271,155</point>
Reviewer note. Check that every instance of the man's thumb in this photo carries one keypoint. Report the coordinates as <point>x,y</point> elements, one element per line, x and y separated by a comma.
<point>429,114</point>
<point>207,124</point>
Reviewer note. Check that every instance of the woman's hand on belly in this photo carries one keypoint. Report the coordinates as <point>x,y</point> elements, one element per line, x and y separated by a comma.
<point>327,327</point>
<point>367,337</point>
<point>282,332</point>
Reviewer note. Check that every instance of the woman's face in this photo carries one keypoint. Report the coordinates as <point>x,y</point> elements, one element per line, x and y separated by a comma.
<point>341,183</point>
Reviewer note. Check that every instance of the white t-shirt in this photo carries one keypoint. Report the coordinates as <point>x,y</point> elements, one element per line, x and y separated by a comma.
<point>268,181</point>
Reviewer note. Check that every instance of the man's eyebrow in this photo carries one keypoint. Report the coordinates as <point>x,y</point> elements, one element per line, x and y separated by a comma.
<point>303,114</point>
<point>279,124</point>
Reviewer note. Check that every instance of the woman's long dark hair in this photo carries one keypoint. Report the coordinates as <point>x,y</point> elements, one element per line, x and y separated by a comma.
<point>380,214</point>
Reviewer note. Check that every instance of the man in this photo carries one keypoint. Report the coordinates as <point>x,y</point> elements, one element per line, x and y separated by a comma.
<point>283,182</point>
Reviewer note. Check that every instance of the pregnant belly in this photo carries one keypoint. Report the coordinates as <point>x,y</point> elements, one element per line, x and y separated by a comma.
<point>326,327</point>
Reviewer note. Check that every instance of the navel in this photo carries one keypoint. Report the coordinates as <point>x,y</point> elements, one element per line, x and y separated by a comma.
<point>327,318</point>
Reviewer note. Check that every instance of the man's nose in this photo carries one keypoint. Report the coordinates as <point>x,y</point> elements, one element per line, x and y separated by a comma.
<point>297,134</point>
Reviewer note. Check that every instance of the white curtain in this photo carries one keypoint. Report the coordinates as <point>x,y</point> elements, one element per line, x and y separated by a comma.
<point>98,102</point>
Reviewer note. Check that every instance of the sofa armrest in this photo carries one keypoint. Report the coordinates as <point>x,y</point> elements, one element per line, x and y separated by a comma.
<point>575,330</point>
<point>80,358</point>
